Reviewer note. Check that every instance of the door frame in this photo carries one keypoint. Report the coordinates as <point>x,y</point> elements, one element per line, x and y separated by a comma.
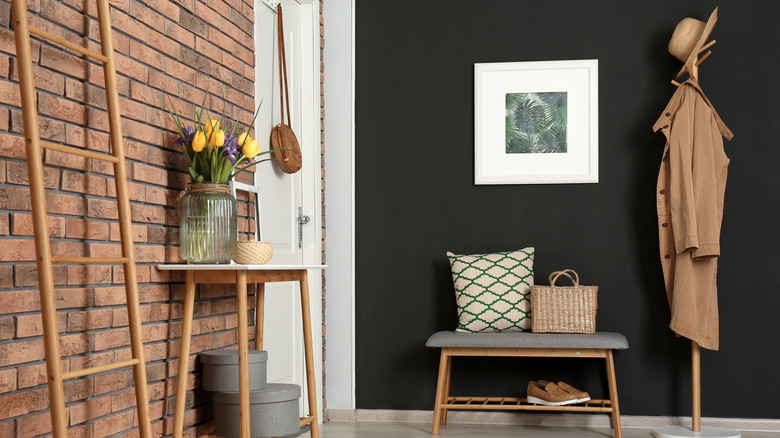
<point>339,18</point>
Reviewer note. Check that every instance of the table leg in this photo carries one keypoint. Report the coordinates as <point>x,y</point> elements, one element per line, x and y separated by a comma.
<point>259,313</point>
<point>307,343</point>
<point>243,354</point>
<point>184,354</point>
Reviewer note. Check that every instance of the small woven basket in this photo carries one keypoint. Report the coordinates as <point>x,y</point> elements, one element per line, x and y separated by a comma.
<point>252,252</point>
<point>564,309</point>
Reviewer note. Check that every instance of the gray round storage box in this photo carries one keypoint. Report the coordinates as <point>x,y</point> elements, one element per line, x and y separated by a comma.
<point>273,412</point>
<point>220,370</point>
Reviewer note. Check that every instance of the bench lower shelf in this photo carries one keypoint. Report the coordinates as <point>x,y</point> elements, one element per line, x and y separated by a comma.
<point>521,404</point>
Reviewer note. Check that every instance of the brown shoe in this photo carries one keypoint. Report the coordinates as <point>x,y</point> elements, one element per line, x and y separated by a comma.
<point>549,394</point>
<point>582,396</point>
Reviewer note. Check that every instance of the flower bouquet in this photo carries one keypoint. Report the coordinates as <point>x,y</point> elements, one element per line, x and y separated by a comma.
<point>227,154</point>
<point>208,219</point>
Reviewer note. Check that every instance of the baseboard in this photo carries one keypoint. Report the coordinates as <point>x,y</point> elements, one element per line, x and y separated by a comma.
<point>541,419</point>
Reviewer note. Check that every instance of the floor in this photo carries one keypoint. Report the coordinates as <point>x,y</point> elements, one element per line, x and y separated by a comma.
<point>413,430</point>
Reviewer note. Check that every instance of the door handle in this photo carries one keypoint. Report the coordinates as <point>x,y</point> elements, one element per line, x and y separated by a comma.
<point>302,220</point>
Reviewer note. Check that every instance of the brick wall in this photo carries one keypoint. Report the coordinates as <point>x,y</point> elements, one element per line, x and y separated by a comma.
<point>322,176</point>
<point>163,47</point>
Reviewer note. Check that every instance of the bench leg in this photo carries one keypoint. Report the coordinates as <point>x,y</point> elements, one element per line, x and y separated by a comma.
<point>440,391</point>
<point>613,395</point>
<point>446,395</point>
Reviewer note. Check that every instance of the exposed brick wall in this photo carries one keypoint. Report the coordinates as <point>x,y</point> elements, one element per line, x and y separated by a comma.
<point>322,163</point>
<point>163,47</point>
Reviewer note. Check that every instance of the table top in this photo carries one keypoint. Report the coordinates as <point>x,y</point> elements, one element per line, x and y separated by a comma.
<point>236,267</point>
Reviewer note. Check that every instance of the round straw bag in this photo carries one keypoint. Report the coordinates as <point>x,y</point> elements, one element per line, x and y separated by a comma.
<point>287,151</point>
<point>252,252</point>
<point>564,309</point>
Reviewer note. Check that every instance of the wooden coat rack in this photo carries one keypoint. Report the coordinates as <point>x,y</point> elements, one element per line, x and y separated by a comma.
<point>696,428</point>
<point>693,68</point>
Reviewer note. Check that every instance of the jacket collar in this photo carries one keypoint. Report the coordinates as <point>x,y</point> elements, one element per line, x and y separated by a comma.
<point>724,130</point>
<point>674,105</point>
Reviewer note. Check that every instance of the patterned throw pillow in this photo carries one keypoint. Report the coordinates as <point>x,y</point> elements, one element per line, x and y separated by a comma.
<point>493,291</point>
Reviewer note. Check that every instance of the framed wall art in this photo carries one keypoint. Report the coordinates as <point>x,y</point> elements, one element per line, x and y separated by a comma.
<point>536,122</point>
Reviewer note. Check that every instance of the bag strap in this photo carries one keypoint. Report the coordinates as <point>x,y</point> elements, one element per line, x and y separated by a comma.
<point>283,94</point>
<point>556,274</point>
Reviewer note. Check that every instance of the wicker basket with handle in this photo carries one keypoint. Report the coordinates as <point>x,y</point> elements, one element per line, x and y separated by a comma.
<point>564,309</point>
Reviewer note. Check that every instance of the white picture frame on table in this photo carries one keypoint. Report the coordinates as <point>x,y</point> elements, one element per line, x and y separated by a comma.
<point>536,122</point>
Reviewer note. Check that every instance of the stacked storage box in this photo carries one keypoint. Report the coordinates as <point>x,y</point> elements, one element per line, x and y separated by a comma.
<point>273,407</point>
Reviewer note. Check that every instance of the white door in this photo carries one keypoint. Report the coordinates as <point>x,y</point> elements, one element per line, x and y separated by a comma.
<point>283,196</point>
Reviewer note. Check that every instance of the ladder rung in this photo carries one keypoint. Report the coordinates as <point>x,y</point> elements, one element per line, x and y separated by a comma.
<point>63,42</point>
<point>89,260</point>
<point>99,369</point>
<point>77,151</point>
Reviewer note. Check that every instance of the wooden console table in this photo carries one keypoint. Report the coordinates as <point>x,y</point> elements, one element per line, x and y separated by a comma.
<point>241,275</point>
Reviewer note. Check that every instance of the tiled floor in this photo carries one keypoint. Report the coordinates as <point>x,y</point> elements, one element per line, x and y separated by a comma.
<point>413,430</point>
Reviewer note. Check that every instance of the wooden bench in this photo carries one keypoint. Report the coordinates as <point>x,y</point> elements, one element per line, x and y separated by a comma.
<point>523,344</point>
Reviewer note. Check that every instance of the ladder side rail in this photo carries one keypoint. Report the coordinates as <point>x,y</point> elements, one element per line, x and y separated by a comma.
<point>125,221</point>
<point>40,226</point>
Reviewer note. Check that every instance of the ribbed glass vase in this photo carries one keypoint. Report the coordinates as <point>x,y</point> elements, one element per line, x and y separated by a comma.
<point>208,225</point>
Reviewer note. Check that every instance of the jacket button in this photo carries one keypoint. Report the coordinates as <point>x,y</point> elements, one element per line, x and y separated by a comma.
<point>666,126</point>
<point>668,114</point>
<point>664,224</point>
<point>667,256</point>
<point>662,192</point>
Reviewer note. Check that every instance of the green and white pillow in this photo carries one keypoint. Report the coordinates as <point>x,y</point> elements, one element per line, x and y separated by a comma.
<point>493,291</point>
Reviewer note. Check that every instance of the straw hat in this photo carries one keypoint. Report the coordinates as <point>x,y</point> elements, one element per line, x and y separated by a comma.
<point>688,37</point>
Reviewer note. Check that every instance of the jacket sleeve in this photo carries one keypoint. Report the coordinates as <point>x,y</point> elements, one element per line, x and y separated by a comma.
<point>707,143</point>
<point>681,178</point>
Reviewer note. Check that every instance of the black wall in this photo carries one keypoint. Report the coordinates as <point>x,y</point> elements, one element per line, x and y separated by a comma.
<point>416,198</point>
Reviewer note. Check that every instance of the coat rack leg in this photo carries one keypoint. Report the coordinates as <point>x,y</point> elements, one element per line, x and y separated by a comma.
<point>696,386</point>
<point>696,430</point>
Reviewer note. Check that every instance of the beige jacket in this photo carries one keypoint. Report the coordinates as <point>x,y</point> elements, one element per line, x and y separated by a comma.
<point>691,186</point>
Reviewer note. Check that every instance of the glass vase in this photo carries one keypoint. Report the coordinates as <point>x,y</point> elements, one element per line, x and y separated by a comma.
<point>208,224</point>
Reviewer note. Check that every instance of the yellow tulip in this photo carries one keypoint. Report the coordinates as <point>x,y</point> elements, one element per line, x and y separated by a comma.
<point>250,149</point>
<point>211,125</point>
<point>244,138</point>
<point>217,138</point>
<point>198,141</point>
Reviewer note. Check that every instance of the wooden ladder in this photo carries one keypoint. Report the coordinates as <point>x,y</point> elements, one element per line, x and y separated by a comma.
<point>45,260</point>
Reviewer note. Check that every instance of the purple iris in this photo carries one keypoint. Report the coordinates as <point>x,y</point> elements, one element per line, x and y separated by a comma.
<point>231,149</point>
<point>189,132</point>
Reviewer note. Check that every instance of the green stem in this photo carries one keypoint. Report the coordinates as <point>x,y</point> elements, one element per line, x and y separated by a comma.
<point>225,170</point>
<point>248,166</point>
<point>239,161</point>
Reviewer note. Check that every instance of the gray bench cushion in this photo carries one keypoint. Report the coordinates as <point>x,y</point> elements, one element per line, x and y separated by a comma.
<point>615,341</point>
